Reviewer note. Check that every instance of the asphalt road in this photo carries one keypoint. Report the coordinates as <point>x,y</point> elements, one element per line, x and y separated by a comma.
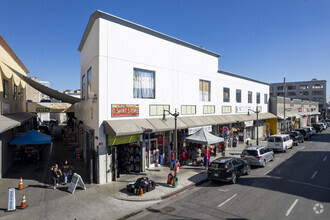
<point>296,185</point>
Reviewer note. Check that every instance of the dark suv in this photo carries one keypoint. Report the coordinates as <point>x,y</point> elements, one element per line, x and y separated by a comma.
<point>296,137</point>
<point>304,132</point>
<point>228,169</point>
<point>317,127</point>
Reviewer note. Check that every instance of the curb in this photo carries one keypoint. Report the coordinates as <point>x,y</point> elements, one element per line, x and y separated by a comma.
<point>189,186</point>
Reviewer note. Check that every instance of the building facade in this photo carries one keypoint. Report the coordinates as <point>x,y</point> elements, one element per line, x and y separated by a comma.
<point>130,74</point>
<point>13,115</point>
<point>314,91</point>
<point>298,113</point>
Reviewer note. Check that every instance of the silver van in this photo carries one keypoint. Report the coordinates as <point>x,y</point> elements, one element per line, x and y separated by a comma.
<point>258,155</point>
<point>279,142</point>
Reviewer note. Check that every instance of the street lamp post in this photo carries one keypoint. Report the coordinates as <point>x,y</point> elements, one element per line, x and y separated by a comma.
<point>175,115</point>
<point>257,112</point>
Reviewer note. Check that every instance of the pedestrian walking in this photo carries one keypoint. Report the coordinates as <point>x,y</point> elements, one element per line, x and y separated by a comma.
<point>207,157</point>
<point>176,168</point>
<point>56,174</point>
<point>66,168</point>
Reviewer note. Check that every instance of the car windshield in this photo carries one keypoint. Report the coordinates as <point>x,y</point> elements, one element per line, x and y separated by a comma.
<point>250,152</point>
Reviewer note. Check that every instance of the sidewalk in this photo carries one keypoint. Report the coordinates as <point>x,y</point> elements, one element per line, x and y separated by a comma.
<point>189,176</point>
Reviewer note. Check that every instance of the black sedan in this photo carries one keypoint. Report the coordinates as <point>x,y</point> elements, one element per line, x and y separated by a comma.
<point>296,137</point>
<point>228,169</point>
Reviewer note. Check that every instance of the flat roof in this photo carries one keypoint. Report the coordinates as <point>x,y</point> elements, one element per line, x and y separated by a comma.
<point>241,77</point>
<point>296,82</point>
<point>100,14</point>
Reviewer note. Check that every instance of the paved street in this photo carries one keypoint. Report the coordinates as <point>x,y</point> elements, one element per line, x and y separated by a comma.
<point>295,186</point>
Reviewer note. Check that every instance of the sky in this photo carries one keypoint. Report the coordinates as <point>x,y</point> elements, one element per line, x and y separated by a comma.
<point>266,40</point>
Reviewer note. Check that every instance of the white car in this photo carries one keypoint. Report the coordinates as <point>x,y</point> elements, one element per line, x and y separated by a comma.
<point>324,126</point>
<point>280,142</point>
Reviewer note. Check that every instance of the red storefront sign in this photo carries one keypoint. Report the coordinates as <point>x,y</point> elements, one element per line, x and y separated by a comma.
<point>125,110</point>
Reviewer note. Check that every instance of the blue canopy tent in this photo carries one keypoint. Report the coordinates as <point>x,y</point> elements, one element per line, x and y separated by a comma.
<point>32,137</point>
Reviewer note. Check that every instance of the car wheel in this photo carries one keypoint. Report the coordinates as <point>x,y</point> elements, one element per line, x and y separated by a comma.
<point>264,163</point>
<point>286,148</point>
<point>233,178</point>
<point>248,170</point>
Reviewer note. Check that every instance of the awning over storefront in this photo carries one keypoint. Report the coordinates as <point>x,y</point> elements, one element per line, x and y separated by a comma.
<point>135,126</point>
<point>10,121</point>
<point>44,89</point>
<point>169,123</point>
<point>193,121</point>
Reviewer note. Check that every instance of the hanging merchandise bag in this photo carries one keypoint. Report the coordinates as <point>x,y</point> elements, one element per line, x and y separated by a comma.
<point>169,178</point>
<point>175,181</point>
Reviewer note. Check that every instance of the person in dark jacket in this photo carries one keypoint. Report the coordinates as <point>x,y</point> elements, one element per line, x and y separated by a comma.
<point>56,174</point>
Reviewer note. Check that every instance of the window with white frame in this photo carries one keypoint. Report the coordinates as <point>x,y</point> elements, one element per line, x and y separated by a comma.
<point>208,109</point>
<point>157,110</point>
<point>5,89</point>
<point>188,109</point>
<point>204,90</point>
<point>83,87</point>
<point>89,82</point>
<point>265,98</point>
<point>226,95</point>
<point>249,97</point>
<point>317,86</point>
<point>143,84</point>
<point>226,109</point>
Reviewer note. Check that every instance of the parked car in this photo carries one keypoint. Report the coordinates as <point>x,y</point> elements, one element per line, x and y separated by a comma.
<point>305,133</point>
<point>228,169</point>
<point>317,127</point>
<point>258,155</point>
<point>296,137</point>
<point>311,130</point>
<point>279,142</point>
<point>323,125</point>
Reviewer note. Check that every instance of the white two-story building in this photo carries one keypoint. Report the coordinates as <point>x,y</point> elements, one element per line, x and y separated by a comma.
<point>130,74</point>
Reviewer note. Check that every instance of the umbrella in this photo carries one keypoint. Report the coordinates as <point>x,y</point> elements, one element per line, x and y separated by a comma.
<point>203,137</point>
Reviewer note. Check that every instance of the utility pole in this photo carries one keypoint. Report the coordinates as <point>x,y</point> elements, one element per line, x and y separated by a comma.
<point>284,91</point>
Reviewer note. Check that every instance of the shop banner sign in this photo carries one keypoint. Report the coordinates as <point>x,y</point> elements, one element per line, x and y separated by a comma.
<point>76,179</point>
<point>43,109</point>
<point>195,129</point>
<point>123,139</point>
<point>242,109</point>
<point>123,110</point>
<point>11,200</point>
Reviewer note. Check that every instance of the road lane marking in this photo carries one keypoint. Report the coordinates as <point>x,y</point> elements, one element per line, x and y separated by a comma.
<point>325,158</point>
<point>314,175</point>
<point>268,172</point>
<point>227,200</point>
<point>302,147</point>
<point>223,190</point>
<point>292,206</point>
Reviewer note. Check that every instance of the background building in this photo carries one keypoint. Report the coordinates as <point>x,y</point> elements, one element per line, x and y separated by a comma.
<point>298,113</point>
<point>314,90</point>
